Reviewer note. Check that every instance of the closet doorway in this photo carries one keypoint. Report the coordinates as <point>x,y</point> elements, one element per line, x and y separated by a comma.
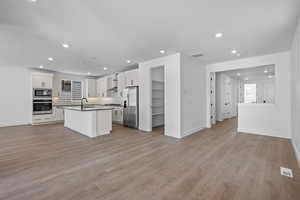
<point>158,98</point>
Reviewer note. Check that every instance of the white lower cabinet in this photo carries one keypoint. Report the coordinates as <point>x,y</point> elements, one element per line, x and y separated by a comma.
<point>39,119</point>
<point>117,115</point>
<point>58,114</point>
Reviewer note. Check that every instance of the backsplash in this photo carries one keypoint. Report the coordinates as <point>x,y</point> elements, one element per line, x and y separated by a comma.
<point>94,100</point>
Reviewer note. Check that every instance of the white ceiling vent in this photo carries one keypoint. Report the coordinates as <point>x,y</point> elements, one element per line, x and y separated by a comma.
<point>286,172</point>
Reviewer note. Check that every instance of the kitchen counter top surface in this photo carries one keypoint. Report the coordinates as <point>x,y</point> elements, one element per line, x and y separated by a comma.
<point>78,104</point>
<point>88,108</point>
<point>75,104</point>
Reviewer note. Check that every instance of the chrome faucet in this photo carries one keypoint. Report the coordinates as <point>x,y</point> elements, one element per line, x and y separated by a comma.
<point>82,102</point>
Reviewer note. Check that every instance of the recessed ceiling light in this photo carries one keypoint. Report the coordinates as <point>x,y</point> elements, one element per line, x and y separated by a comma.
<point>238,74</point>
<point>105,68</point>
<point>246,79</point>
<point>50,59</point>
<point>219,35</point>
<point>89,73</point>
<point>234,51</point>
<point>65,45</point>
<point>41,67</point>
<point>33,1</point>
<point>128,61</point>
<point>162,51</point>
<point>270,76</point>
<point>266,71</point>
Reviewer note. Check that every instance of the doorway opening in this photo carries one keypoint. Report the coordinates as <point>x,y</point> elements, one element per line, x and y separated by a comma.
<point>232,88</point>
<point>158,98</point>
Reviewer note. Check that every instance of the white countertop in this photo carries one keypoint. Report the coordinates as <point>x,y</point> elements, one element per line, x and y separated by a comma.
<point>89,108</point>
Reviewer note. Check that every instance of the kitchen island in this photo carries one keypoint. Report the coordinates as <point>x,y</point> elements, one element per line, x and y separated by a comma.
<point>91,121</point>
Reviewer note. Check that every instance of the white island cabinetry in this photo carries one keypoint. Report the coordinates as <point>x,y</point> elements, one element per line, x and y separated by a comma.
<point>91,122</point>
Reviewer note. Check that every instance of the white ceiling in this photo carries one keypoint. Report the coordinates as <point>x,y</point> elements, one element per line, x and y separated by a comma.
<point>105,33</point>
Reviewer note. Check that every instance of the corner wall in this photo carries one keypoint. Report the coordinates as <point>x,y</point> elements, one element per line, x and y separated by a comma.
<point>193,99</point>
<point>295,93</point>
<point>172,94</point>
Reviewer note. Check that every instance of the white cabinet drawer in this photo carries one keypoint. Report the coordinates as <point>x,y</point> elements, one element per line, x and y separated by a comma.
<point>36,119</point>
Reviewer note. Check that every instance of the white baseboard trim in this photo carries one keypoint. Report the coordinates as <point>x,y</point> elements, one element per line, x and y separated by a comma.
<point>192,131</point>
<point>13,124</point>
<point>297,152</point>
<point>256,132</point>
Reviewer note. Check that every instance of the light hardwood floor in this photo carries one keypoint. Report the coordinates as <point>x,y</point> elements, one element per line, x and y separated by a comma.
<point>51,162</point>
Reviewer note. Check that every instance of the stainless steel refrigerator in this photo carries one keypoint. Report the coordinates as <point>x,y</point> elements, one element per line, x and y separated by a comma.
<point>131,107</point>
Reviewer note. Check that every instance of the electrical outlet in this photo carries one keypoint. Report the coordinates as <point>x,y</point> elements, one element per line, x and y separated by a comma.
<point>286,172</point>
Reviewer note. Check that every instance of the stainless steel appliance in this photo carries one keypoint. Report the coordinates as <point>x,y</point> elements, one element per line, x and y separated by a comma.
<point>131,107</point>
<point>42,106</point>
<point>42,93</point>
<point>41,101</point>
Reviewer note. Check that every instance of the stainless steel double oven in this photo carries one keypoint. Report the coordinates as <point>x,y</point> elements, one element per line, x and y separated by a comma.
<point>42,101</point>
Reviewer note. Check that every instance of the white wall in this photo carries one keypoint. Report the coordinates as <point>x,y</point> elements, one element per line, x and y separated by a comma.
<point>295,92</point>
<point>184,94</point>
<point>15,96</point>
<point>172,94</point>
<point>193,99</point>
<point>281,111</point>
<point>158,74</point>
<point>261,119</point>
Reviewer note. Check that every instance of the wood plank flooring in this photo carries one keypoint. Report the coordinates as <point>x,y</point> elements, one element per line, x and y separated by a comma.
<point>50,162</point>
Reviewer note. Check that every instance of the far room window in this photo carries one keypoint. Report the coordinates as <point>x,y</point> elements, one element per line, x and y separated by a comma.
<point>250,93</point>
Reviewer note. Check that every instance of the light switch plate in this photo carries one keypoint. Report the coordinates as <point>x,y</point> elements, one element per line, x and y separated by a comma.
<point>286,172</point>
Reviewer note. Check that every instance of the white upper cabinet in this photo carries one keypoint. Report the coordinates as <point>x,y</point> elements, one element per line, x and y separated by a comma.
<point>132,78</point>
<point>101,87</point>
<point>42,80</point>
<point>121,83</point>
<point>91,87</point>
<point>113,85</point>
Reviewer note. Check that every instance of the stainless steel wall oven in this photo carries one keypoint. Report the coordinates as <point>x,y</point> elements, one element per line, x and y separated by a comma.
<point>42,106</point>
<point>42,101</point>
